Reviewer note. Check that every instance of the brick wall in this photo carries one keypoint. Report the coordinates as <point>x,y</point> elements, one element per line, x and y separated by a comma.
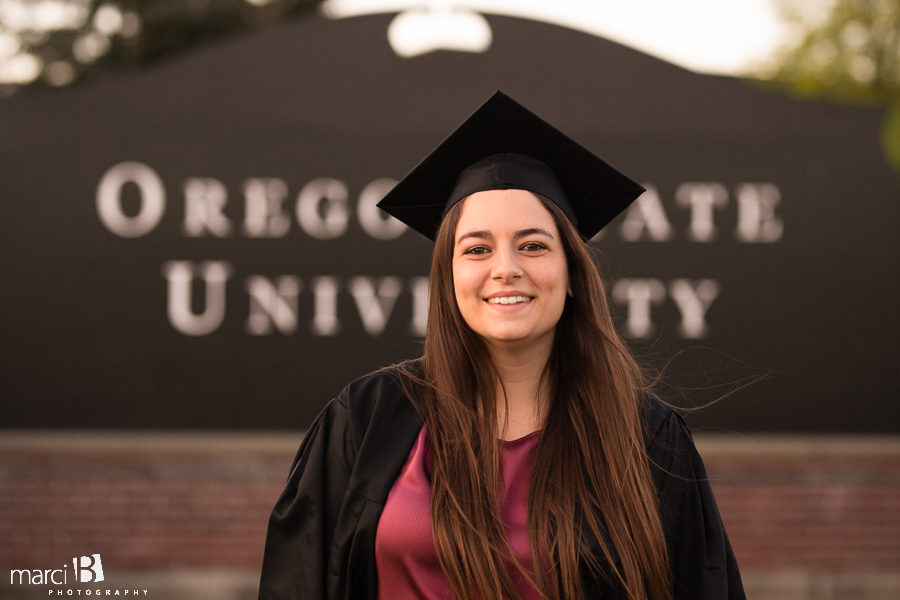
<point>827,512</point>
<point>809,517</point>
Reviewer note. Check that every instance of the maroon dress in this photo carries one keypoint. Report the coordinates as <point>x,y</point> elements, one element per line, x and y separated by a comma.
<point>408,567</point>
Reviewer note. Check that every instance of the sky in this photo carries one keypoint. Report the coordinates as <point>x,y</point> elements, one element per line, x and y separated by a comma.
<point>730,37</point>
<point>710,36</point>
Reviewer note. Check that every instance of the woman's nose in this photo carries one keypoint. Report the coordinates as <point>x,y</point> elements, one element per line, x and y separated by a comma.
<point>506,265</point>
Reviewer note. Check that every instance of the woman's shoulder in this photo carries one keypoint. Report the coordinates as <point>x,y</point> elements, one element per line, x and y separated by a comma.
<point>670,445</point>
<point>372,387</point>
<point>383,391</point>
<point>658,415</point>
<point>378,427</point>
<point>366,411</point>
<point>664,428</point>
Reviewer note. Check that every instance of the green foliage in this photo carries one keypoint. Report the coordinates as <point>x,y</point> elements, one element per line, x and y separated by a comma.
<point>169,25</point>
<point>65,41</point>
<point>846,50</point>
<point>891,135</point>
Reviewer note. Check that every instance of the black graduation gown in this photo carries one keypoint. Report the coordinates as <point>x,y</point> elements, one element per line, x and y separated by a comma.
<point>320,542</point>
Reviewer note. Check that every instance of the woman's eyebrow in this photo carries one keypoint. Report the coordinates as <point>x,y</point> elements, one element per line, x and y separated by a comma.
<point>531,231</point>
<point>484,234</point>
<point>487,235</point>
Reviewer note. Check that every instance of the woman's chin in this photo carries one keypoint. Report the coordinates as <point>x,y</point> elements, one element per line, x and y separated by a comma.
<point>510,338</point>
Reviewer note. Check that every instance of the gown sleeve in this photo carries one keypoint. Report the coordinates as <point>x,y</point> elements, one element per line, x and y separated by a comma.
<point>703,564</point>
<point>301,526</point>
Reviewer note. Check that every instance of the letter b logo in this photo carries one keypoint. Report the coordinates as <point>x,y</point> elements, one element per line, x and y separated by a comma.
<point>88,569</point>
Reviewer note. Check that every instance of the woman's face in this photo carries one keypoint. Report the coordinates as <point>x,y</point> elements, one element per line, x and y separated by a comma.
<point>510,274</point>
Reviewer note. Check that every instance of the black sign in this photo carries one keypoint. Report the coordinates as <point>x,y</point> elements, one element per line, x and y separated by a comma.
<point>195,245</point>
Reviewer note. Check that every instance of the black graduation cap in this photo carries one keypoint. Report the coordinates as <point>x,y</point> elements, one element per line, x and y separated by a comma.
<point>503,145</point>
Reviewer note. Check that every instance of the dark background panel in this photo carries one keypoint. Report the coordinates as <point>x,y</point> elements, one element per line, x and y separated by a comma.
<point>810,318</point>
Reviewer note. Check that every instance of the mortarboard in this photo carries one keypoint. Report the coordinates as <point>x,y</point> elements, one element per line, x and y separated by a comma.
<point>503,145</point>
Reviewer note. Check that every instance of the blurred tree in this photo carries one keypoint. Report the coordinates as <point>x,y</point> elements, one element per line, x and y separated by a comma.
<point>847,50</point>
<point>57,42</point>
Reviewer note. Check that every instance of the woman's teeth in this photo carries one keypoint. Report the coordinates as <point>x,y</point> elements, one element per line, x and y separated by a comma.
<point>508,299</point>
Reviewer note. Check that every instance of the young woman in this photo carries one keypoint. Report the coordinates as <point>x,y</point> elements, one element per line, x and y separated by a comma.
<point>520,456</point>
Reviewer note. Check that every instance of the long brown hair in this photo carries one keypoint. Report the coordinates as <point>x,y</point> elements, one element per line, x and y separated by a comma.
<point>590,477</point>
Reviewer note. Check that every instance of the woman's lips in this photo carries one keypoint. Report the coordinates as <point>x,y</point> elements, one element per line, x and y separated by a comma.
<point>517,299</point>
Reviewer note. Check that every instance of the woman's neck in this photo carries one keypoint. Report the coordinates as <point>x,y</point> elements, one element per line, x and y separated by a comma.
<point>522,409</point>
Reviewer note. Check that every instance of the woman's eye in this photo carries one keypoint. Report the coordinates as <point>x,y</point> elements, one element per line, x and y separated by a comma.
<point>533,247</point>
<point>476,250</point>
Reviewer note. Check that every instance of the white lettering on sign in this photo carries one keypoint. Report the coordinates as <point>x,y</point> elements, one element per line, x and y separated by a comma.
<point>264,215</point>
<point>325,321</point>
<point>372,219</point>
<point>204,201</point>
<point>375,303</point>
<point>180,275</point>
<point>273,304</point>
<point>196,292</point>
<point>322,208</point>
<point>702,199</point>
<point>420,295</point>
<point>638,295</point>
<point>693,300</point>
<point>152,199</point>
<point>274,301</point>
<point>756,213</point>
<point>646,219</point>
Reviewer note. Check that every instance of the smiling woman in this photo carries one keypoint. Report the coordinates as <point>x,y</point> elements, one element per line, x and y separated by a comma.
<point>510,279</point>
<point>509,269</point>
<point>521,456</point>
